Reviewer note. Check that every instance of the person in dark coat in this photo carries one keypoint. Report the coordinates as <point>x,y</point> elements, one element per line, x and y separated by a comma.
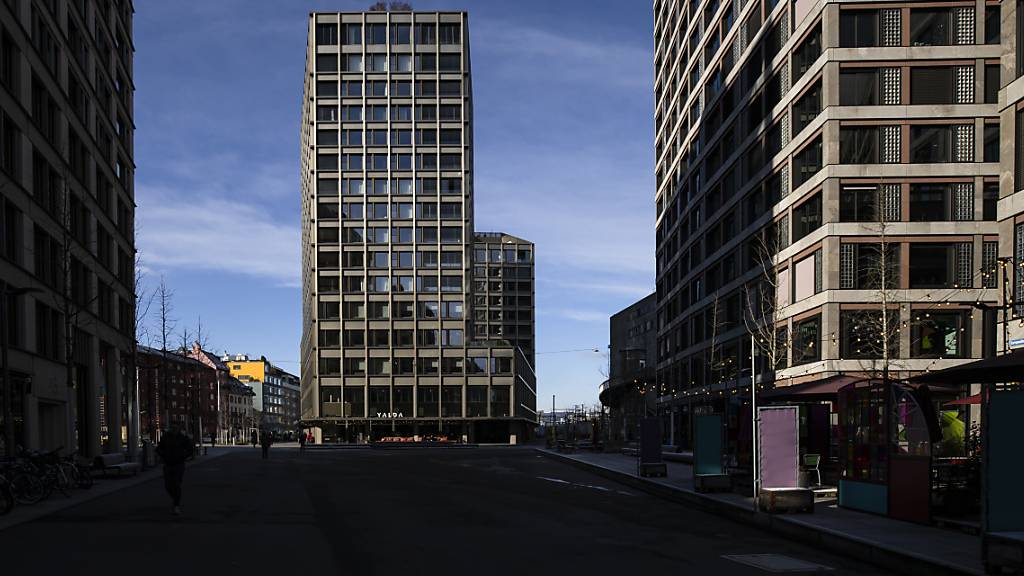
<point>174,448</point>
<point>302,441</point>
<point>266,440</point>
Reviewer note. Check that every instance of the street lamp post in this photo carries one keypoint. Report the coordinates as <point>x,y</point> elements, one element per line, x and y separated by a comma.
<point>5,293</point>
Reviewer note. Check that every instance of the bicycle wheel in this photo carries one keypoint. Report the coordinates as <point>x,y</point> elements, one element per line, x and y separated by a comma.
<point>27,488</point>
<point>84,477</point>
<point>62,481</point>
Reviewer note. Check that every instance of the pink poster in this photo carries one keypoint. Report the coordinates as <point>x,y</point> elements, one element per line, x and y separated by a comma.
<point>779,440</point>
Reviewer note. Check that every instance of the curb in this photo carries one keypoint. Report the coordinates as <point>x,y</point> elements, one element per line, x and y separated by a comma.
<point>841,543</point>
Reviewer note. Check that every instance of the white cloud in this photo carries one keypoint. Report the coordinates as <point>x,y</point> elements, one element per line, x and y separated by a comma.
<point>568,58</point>
<point>577,315</point>
<point>217,234</point>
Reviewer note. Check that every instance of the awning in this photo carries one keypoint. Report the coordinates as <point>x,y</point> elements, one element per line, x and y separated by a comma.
<point>828,389</point>
<point>976,399</point>
<point>824,389</point>
<point>1006,368</point>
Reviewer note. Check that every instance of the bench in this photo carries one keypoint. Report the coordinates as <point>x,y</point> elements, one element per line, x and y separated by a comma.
<point>115,462</point>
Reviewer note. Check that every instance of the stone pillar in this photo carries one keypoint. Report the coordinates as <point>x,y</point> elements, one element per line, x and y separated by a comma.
<point>92,388</point>
<point>115,397</point>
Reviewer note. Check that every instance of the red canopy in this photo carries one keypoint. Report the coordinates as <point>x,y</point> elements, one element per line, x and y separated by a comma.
<point>976,399</point>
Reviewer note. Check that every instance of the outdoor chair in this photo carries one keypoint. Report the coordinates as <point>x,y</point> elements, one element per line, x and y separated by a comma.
<point>811,464</point>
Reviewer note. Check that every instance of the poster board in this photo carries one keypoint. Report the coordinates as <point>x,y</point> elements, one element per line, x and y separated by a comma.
<point>707,445</point>
<point>778,458</point>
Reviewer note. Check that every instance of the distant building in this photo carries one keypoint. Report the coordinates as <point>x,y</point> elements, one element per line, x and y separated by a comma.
<point>397,341</point>
<point>503,291</point>
<point>632,356</point>
<point>175,388</point>
<point>239,418</point>
<point>276,392</point>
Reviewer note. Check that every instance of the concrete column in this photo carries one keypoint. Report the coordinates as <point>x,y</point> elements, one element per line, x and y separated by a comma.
<point>92,389</point>
<point>134,418</point>
<point>115,395</point>
<point>829,326</point>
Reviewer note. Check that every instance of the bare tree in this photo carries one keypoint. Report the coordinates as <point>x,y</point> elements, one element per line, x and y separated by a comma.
<point>390,7</point>
<point>875,331</point>
<point>143,302</point>
<point>164,297</point>
<point>763,312</point>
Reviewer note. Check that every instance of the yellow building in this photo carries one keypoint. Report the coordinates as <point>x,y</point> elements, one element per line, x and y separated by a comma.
<point>277,391</point>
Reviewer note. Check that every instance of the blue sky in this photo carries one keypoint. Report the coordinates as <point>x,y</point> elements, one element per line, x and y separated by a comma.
<point>564,157</point>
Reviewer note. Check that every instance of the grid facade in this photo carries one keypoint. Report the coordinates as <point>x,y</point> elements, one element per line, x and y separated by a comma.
<point>67,218</point>
<point>388,230</point>
<point>783,129</point>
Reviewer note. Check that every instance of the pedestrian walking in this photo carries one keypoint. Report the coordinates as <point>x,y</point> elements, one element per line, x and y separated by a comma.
<point>174,448</point>
<point>302,442</point>
<point>253,438</point>
<point>266,441</point>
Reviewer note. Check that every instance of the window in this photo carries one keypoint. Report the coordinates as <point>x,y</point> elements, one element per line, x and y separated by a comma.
<point>992,24</point>
<point>426,63</point>
<point>1018,146</point>
<point>450,34</point>
<point>940,265</point>
<point>940,334</point>
<point>858,203</point>
<point>401,63</point>
<point>352,63</point>
<point>807,340</point>
<point>806,53</point>
<point>376,34</point>
<point>326,35</point>
<point>990,198</point>
<point>931,85</point>
<point>426,34</point>
<point>807,107</point>
<point>861,330</point>
<point>807,217</point>
<point>858,145</point>
<point>807,162</point>
<point>353,34</point>
<point>991,150</point>
<point>991,83</point>
<point>400,33</point>
<point>858,28</point>
<point>861,265</point>
<point>930,143</point>
<point>931,27</point>
<point>931,202</point>
<point>449,62</point>
<point>858,87</point>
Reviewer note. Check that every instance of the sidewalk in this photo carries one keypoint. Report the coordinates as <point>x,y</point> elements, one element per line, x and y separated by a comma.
<point>901,546</point>
<point>103,486</point>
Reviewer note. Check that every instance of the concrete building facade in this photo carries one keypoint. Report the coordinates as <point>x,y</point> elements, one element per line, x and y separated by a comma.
<point>630,390</point>
<point>818,162</point>
<point>67,252</point>
<point>389,348</point>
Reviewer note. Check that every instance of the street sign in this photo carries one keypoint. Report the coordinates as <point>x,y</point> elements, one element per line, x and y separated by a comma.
<point>1016,342</point>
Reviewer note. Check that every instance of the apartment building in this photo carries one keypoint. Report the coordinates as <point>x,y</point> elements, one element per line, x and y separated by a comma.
<point>276,392</point>
<point>630,390</point>
<point>175,388</point>
<point>818,162</point>
<point>66,211</point>
<point>389,348</point>
<point>503,291</point>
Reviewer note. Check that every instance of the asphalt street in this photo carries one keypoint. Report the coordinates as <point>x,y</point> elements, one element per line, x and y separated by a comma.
<point>417,511</point>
